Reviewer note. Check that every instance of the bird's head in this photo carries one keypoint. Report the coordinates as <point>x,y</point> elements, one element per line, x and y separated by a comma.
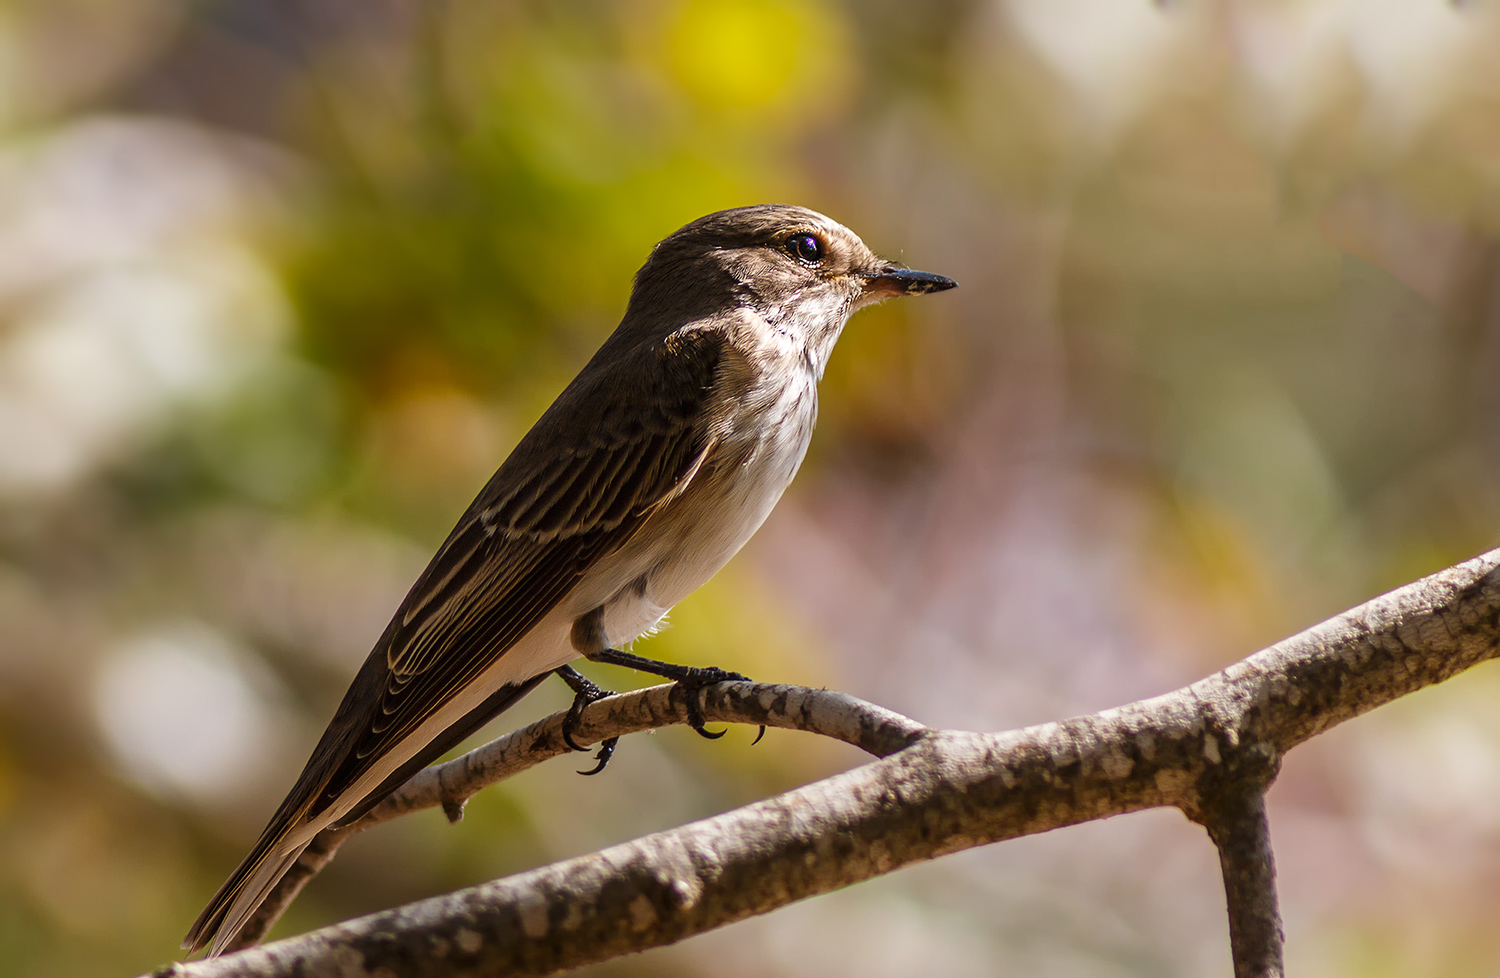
<point>800,271</point>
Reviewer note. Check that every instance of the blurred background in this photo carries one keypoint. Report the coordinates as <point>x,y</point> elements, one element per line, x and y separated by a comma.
<point>282,282</point>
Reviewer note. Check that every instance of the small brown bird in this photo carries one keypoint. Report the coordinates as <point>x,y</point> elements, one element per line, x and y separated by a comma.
<point>651,469</point>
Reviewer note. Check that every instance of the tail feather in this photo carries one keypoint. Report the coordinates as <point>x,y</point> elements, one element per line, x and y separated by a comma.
<point>297,821</point>
<point>241,895</point>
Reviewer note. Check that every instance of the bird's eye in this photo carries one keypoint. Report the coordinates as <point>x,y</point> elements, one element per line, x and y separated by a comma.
<point>805,248</point>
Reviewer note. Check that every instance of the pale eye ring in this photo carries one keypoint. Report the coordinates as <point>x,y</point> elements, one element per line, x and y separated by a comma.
<point>805,247</point>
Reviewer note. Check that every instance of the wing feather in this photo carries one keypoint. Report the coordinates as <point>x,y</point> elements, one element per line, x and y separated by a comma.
<point>520,550</point>
<point>621,440</point>
<point>629,434</point>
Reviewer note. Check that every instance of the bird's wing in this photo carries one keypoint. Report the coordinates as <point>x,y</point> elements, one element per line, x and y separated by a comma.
<point>581,483</point>
<point>605,456</point>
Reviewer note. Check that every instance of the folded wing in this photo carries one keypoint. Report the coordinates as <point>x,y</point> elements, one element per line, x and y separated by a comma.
<point>602,459</point>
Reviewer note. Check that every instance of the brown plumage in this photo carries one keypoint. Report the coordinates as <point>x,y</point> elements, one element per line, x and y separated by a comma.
<point>650,470</point>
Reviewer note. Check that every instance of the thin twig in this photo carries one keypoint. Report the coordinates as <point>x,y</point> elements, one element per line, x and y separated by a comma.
<point>871,728</point>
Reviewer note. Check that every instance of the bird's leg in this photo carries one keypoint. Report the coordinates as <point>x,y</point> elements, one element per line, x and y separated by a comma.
<point>585,691</point>
<point>690,678</point>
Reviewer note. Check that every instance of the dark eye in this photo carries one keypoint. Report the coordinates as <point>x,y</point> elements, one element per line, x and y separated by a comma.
<point>805,248</point>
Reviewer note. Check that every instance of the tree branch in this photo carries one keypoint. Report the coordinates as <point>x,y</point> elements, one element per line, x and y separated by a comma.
<point>871,728</point>
<point>1239,829</point>
<point>1209,749</point>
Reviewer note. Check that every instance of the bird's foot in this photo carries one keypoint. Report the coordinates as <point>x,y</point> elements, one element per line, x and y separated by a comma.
<point>585,691</point>
<point>691,678</point>
<point>692,681</point>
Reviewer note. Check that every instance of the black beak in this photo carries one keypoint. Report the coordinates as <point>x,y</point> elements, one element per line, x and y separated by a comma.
<point>895,280</point>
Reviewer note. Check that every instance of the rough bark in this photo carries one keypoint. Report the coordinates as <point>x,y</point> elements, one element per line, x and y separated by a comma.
<point>1238,826</point>
<point>871,728</point>
<point>1209,749</point>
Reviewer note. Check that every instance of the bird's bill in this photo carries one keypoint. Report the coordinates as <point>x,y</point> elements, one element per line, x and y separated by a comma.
<point>893,280</point>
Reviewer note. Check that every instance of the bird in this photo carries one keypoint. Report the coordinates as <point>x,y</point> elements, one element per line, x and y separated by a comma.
<point>652,468</point>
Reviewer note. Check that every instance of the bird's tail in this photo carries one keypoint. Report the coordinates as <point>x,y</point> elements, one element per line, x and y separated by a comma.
<point>231,908</point>
<point>297,821</point>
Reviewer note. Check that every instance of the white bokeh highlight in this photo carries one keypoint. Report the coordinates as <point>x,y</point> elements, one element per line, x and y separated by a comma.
<point>130,288</point>
<point>186,714</point>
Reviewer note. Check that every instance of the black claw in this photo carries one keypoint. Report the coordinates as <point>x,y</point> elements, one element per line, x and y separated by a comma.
<point>694,682</point>
<point>606,751</point>
<point>759,735</point>
<point>693,685</point>
<point>584,693</point>
<point>574,717</point>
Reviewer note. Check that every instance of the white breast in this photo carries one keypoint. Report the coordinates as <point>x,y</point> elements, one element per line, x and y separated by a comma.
<point>695,535</point>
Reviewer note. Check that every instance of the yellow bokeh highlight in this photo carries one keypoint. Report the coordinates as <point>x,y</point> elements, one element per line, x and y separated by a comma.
<point>785,59</point>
